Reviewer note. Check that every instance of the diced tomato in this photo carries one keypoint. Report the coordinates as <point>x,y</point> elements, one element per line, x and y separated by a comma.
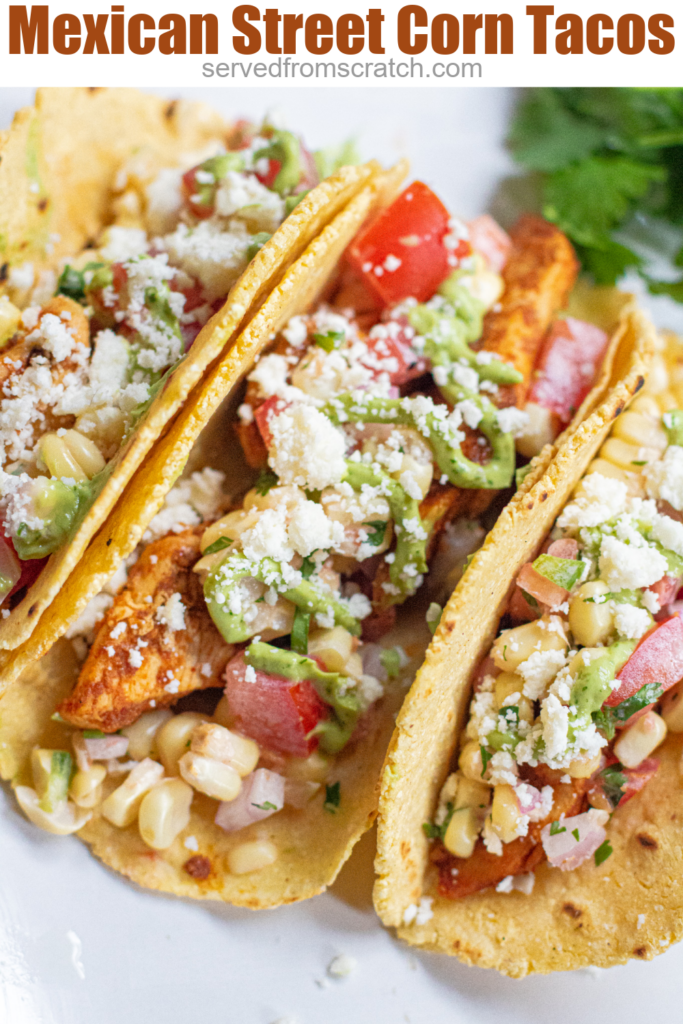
<point>242,134</point>
<point>390,351</point>
<point>488,238</point>
<point>404,252</point>
<point>264,413</point>
<point>30,569</point>
<point>520,610</point>
<point>191,187</point>
<point>275,711</point>
<point>665,589</point>
<point>269,174</point>
<point>658,658</point>
<point>540,587</point>
<point>566,367</point>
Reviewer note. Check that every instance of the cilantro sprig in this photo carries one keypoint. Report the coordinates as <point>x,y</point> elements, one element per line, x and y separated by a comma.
<point>599,157</point>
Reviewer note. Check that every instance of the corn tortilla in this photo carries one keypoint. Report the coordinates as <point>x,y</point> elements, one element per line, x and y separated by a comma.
<point>57,167</point>
<point>27,706</point>
<point>572,919</point>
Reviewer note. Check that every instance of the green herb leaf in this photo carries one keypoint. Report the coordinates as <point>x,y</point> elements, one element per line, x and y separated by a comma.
<point>390,659</point>
<point>433,831</point>
<point>378,529</point>
<point>575,833</point>
<point>673,424</point>
<point>265,482</point>
<point>218,545</point>
<point>308,567</point>
<point>603,852</point>
<point>563,572</point>
<point>546,135</point>
<point>556,828</point>
<point>257,243</point>
<point>330,340</point>
<point>613,781</point>
<point>266,806</point>
<point>607,718</point>
<point>332,797</point>
<point>72,284</point>
<point>300,627</point>
<point>93,734</point>
<point>433,616</point>
<point>486,756</point>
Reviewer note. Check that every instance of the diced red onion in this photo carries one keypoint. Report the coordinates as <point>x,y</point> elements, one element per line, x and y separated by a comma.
<point>564,850</point>
<point>262,794</point>
<point>105,748</point>
<point>372,666</point>
<point>565,548</point>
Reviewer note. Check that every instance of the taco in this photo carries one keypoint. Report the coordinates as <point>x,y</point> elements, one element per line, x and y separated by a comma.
<point>136,238</point>
<point>228,705</point>
<point>535,828</point>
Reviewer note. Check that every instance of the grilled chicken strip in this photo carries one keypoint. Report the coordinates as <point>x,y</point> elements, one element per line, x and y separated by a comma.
<point>539,274</point>
<point>458,877</point>
<point>156,642</point>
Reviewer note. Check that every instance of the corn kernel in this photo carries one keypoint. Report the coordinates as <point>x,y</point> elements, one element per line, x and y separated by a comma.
<point>164,813</point>
<point>514,646</point>
<point>509,683</point>
<point>583,768</point>
<point>63,821</point>
<point>462,832</point>
<point>638,742</point>
<point>253,856</point>
<point>86,787</point>
<point>333,646</point>
<point>472,793</point>
<point>174,737</point>
<point>505,813</point>
<point>470,762</point>
<point>221,744</point>
<point>538,432</point>
<point>141,734</point>
<point>627,456</point>
<point>59,460</point>
<point>591,623</point>
<point>211,777</point>
<point>121,807</point>
<point>84,451</point>
<point>639,430</point>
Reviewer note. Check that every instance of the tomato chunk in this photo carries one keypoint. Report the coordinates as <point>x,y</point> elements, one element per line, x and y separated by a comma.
<point>488,238</point>
<point>406,250</point>
<point>571,353</point>
<point>275,711</point>
<point>665,589</point>
<point>637,778</point>
<point>658,658</point>
<point>264,413</point>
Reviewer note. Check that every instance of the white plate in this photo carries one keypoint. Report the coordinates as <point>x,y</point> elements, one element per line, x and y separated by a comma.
<point>79,945</point>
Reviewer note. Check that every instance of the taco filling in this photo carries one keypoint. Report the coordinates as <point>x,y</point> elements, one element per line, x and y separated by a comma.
<point>371,425</point>
<point>578,693</point>
<point>85,356</point>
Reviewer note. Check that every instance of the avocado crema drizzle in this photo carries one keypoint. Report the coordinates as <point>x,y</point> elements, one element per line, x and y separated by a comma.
<point>446,329</point>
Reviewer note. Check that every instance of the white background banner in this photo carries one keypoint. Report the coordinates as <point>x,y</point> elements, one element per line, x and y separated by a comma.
<point>301,43</point>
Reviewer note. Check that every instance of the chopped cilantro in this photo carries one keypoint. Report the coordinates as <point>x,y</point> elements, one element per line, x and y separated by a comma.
<point>300,627</point>
<point>93,734</point>
<point>575,833</point>
<point>330,340</point>
<point>521,473</point>
<point>390,659</point>
<point>639,462</point>
<point>379,529</point>
<point>72,282</point>
<point>265,482</point>
<point>218,545</point>
<point>607,718</point>
<point>556,828</point>
<point>603,852</point>
<point>606,166</point>
<point>332,797</point>
<point>504,654</point>
<point>486,756</point>
<point>433,831</point>
<point>266,806</point>
<point>613,781</point>
<point>307,567</point>
<point>530,600</point>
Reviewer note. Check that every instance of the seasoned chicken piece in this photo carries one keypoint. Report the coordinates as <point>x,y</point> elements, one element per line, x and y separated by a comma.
<point>156,642</point>
<point>458,877</point>
<point>538,276</point>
